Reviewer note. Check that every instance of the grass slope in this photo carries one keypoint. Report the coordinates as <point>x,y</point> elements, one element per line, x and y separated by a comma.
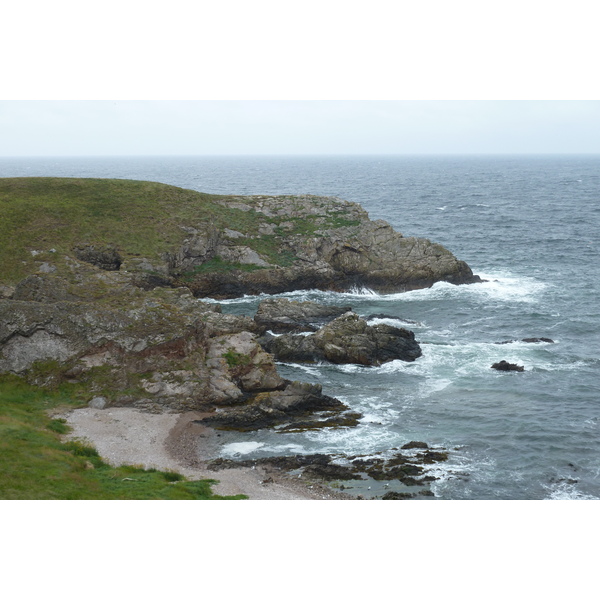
<point>36,465</point>
<point>139,218</point>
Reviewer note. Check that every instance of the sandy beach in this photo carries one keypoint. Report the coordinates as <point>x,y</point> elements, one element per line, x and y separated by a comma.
<point>173,442</point>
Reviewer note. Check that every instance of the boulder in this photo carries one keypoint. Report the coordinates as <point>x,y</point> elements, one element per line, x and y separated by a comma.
<point>281,315</point>
<point>106,258</point>
<point>239,360</point>
<point>506,366</point>
<point>6,291</point>
<point>98,402</point>
<point>347,339</point>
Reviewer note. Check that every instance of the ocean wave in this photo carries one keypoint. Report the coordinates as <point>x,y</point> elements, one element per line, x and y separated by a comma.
<point>567,491</point>
<point>446,360</point>
<point>283,449</point>
<point>459,469</point>
<point>310,369</point>
<point>364,439</point>
<point>237,449</point>
<point>498,287</point>
<point>396,322</point>
<point>501,286</point>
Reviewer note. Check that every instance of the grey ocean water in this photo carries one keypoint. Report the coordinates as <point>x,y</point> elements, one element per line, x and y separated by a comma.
<point>527,224</point>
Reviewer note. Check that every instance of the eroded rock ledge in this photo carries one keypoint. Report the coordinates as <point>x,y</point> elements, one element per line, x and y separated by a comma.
<point>348,339</point>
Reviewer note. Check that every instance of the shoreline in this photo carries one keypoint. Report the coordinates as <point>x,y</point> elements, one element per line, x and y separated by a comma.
<point>174,442</point>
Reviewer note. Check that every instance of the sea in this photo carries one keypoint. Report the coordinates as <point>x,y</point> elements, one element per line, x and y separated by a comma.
<point>529,226</point>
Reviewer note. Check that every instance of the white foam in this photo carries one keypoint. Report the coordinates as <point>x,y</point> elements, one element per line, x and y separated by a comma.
<point>236,449</point>
<point>567,491</point>
<point>443,361</point>
<point>369,437</point>
<point>459,467</point>
<point>351,368</point>
<point>498,286</point>
<point>396,323</point>
<point>312,370</point>
<point>299,333</point>
<point>361,291</point>
<point>284,448</point>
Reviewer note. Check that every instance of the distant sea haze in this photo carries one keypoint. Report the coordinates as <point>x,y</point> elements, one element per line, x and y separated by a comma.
<point>530,226</point>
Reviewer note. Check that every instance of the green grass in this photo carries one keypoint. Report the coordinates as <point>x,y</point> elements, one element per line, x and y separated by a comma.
<point>36,465</point>
<point>51,215</point>
<point>139,218</point>
<point>235,359</point>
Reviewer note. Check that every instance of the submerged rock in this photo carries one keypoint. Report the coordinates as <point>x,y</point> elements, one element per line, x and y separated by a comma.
<point>397,496</point>
<point>533,340</point>
<point>387,476</point>
<point>412,445</point>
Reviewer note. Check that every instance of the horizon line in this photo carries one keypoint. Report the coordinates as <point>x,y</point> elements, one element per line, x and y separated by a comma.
<point>300,155</point>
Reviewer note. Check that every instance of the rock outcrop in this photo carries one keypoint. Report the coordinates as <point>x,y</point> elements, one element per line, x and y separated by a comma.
<point>106,258</point>
<point>504,365</point>
<point>157,350</point>
<point>346,339</point>
<point>288,405</point>
<point>312,242</point>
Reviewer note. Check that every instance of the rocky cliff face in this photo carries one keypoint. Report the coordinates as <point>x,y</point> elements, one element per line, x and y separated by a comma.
<point>158,350</point>
<point>309,242</point>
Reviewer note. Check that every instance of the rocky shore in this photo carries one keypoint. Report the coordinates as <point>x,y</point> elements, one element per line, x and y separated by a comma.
<point>143,333</point>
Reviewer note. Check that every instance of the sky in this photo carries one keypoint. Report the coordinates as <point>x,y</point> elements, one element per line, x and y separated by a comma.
<point>323,77</point>
<point>262,127</point>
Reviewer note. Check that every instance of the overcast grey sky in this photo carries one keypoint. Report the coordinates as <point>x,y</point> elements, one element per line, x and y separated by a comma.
<point>74,128</point>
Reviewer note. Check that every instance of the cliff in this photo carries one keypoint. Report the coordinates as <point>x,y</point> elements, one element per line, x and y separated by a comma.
<point>216,246</point>
<point>101,287</point>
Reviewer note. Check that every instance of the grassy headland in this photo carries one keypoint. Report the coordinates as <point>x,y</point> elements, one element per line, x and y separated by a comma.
<point>138,218</point>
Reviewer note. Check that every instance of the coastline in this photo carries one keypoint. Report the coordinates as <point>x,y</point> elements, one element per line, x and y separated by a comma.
<point>174,442</point>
